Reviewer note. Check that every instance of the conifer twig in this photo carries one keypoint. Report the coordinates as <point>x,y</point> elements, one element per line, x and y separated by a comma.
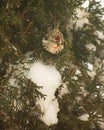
<point>51,15</point>
<point>28,26</point>
<point>22,15</point>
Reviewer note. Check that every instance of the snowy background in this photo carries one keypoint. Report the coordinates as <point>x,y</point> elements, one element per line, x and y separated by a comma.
<point>48,77</point>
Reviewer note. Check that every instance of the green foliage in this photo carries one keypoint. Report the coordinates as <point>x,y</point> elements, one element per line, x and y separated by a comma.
<point>23,24</point>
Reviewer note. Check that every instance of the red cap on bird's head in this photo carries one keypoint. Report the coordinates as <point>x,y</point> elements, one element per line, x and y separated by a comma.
<point>57,38</point>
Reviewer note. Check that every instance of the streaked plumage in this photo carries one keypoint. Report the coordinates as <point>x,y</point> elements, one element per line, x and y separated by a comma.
<point>53,42</point>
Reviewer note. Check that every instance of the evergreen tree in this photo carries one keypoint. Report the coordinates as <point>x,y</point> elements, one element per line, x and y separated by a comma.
<point>23,24</point>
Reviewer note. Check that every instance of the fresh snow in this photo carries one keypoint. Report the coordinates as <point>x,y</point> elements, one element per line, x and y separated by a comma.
<point>48,77</point>
<point>84,117</point>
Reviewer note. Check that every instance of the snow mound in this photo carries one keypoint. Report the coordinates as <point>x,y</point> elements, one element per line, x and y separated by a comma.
<point>48,77</point>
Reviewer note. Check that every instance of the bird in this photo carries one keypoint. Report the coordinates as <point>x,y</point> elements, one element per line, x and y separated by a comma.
<point>53,41</point>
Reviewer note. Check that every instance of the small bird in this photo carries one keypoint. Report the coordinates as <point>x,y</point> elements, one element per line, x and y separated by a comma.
<point>53,42</point>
